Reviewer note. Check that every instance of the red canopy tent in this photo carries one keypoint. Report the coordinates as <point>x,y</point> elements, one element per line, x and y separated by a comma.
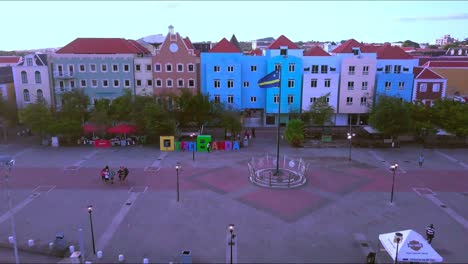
<point>122,129</point>
<point>87,128</point>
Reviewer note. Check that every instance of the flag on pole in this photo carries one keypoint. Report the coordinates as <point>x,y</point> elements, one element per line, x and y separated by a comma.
<point>270,80</point>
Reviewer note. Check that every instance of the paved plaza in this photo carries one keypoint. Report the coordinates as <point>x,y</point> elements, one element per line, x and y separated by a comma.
<point>336,217</point>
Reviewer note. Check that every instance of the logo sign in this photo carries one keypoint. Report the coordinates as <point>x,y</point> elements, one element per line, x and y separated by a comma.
<point>415,245</point>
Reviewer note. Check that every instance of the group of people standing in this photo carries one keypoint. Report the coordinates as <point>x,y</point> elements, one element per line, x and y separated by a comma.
<point>107,175</point>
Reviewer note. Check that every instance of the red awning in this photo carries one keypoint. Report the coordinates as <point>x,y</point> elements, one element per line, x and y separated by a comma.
<point>122,129</point>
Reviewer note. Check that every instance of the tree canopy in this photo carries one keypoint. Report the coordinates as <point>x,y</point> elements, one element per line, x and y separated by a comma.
<point>390,115</point>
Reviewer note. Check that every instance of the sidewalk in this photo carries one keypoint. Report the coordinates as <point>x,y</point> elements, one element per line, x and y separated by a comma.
<point>8,256</point>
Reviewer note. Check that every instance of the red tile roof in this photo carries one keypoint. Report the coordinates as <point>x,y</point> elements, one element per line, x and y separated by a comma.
<point>446,64</point>
<point>370,48</point>
<point>427,73</point>
<point>188,43</point>
<point>103,46</point>
<point>9,59</point>
<point>388,52</point>
<point>417,70</point>
<point>316,51</point>
<point>347,47</point>
<point>224,46</point>
<point>282,41</point>
<point>408,48</point>
<point>255,52</point>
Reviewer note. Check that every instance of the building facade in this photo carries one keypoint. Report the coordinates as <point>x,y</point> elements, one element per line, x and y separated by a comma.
<point>428,86</point>
<point>144,80</point>
<point>455,72</point>
<point>7,86</point>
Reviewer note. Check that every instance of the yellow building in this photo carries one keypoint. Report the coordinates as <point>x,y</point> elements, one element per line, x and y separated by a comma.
<point>456,73</point>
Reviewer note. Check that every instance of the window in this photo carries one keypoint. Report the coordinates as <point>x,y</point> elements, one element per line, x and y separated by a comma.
<point>26,95</point>
<point>158,83</point>
<point>148,67</point>
<point>169,83</point>
<point>313,83</point>
<point>216,99</point>
<point>351,70</point>
<point>115,68</point>
<point>245,84</point>
<point>71,69</point>
<point>149,83</point>
<point>401,85</point>
<point>61,85</point>
<point>313,99</point>
<point>138,83</point>
<point>29,61</point>
<point>365,70</point>
<point>327,99</point>
<point>314,69</point>
<point>217,83</point>
<point>137,67</point>
<point>284,52</point>
<point>291,83</point>
<point>332,69</point>
<point>105,83</point>
<point>397,69</point>
<point>191,68</point>
<point>290,99</point>
<point>72,84</point>
<point>180,83</point>
<point>379,69</point>
<point>363,100</point>
<point>127,83</point>
<point>230,83</point>
<point>364,85</point>
<point>94,83</point>
<point>388,68</point>
<point>168,67</point>
<point>83,83</point>
<point>191,83</point>
<point>92,67</point>
<point>327,83</point>
<point>324,69</point>
<point>116,83</point>
<point>388,85</point>
<point>103,67</point>
<point>275,98</point>
<point>277,66</point>
<point>216,69</point>
<point>253,99</point>
<point>405,69</point>
<point>350,85</point>
<point>292,67</point>
<point>230,68</point>
<point>349,100</point>
<point>230,99</point>
<point>435,87</point>
<point>40,94</point>
<point>253,68</point>
<point>37,76</point>
<point>423,87</point>
<point>81,67</point>
<point>24,77</point>
<point>126,68</point>
<point>157,67</point>
<point>180,67</point>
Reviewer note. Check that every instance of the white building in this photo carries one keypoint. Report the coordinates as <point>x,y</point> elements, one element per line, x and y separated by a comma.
<point>143,76</point>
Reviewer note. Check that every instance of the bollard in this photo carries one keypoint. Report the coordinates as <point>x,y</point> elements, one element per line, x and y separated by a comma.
<point>145,261</point>
<point>51,245</point>
<point>30,243</point>
<point>99,254</point>
<point>121,258</point>
<point>11,240</point>
<point>72,249</point>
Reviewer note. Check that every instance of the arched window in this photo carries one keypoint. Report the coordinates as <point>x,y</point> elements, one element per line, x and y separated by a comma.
<point>26,95</point>
<point>37,76</point>
<point>24,77</point>
<point>40,94</point>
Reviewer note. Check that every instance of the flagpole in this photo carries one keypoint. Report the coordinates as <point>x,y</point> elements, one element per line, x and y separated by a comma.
<point>279,113</point>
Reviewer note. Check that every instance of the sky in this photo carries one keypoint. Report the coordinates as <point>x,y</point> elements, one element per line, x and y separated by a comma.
<point>51,24</point>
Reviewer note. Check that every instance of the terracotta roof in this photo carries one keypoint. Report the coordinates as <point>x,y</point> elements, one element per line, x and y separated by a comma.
<point>347,47</point>
<point>315,51</point>
<point>282,41</point>
<point>255,52</point>
<point>224,46</point>
<point>417,70</point>
<point>9,59</point>
<point>388,52</point>
<point>188,43</point>
<point>103,46</point>
<point>370,48</point>
<point>427,73</point>
<point>446,64</point>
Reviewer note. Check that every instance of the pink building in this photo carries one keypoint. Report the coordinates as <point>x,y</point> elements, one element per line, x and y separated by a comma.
<point>428,86</point>
<point>175,65</point>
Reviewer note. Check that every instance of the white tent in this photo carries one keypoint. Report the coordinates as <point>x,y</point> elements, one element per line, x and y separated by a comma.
<point>412,248</point>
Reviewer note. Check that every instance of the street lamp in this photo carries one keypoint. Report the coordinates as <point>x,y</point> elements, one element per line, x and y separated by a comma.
<point>394,167</point>
<point>350,138</point>
<point>397,239</point>
<point>193,152</point>
<point>178,167</point>
<point>8,162</point>
<point>231,241</point>
<point>90,211</point>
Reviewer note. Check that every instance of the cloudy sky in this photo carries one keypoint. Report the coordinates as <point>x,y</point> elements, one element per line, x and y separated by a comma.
<point>43,24</point>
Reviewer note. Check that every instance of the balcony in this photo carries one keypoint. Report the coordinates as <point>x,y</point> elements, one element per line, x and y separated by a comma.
<point>64,74</point>
<point>61,90</point>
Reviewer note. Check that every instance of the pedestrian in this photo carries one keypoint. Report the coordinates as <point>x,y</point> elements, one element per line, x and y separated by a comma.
<point>208,147</point>
<point>253,132</point>
<point>126,172</point>
<point>121,173</point>
<point>430,232</point>
<point>111,176</point>
<point>421,160</point>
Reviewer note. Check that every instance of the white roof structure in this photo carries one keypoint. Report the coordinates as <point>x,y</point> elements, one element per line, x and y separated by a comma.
<point>412,248</point>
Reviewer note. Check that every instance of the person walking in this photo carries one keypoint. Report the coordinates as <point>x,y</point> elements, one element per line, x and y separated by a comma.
<point>126,172</point>
<point>421,160</point>
<point>121,173</point>
<point>430,232</point>
<point>253,132</point>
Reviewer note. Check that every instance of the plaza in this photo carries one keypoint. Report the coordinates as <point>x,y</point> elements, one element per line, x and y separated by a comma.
<point>335,218</point>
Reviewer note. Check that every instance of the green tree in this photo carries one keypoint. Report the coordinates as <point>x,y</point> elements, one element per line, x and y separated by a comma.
<point>37,117</point>
<point>409,43</point>
<point>8,114</point>
<point>451,116</point>
<point>321,111</point>
<point>451,45</point>
<point>195,108</point>
<point>294,132</point>
<point>390,115</point>
<point>121,107</point>
<point>100,116</point>
<point>230,121</point>
<point>421,117</point>
<point>432,47</point>
<point>74,105</point>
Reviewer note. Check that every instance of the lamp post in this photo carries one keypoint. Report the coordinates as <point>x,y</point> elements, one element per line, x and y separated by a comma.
<point>397,239</point>
<point>178,167</point>
<point>231,241</point>
<point>350,138</point>
<point>393,168</point>
<point>90,211</point>
<point>8,162</point>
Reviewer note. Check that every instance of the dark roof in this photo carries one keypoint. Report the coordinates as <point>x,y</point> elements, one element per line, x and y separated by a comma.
<point>6,75</point>
<point>281,42</point>
<point>103,46</point>
<point>234,41</point>
<point>41,59</point>
<point>224,46</point>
